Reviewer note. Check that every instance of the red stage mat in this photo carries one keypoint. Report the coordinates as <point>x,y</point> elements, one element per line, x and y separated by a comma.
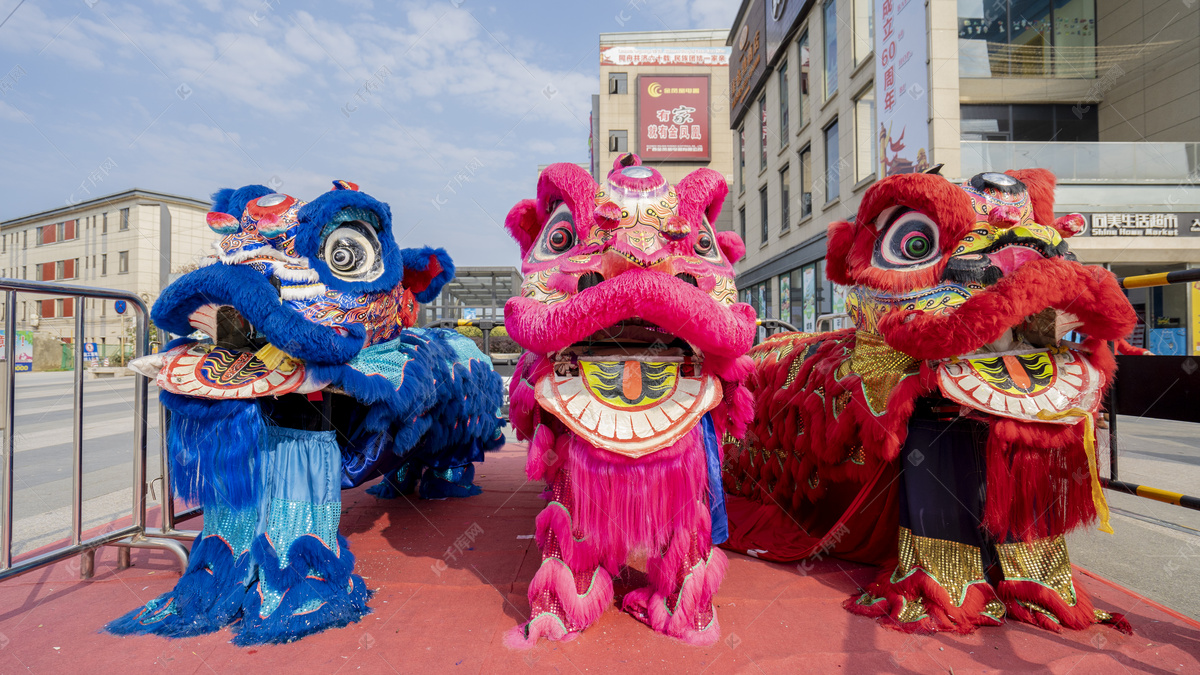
<point>451,579</point>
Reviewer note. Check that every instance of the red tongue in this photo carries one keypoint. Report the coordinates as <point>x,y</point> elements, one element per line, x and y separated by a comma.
<point>1010,258</point>
<point>631,380</point>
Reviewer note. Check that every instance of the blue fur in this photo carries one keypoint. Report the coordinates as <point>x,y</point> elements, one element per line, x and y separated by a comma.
<point>312,219</point>
<point>343,593</point>
<point>716,493</point>
<point>208,597</point>
<point>214,450</point>
<point>417,259</point>
<point>233,202</point>
<point>257,301</point>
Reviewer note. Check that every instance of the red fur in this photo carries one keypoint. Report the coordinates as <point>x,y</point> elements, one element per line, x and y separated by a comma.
<point>1091,293</point>
<point>943,614</point>
<point>1039,183</point>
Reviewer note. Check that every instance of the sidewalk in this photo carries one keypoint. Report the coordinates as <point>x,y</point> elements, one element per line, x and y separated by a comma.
<point>440,609</point>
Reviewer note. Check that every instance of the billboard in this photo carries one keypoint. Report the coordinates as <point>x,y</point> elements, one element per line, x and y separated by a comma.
<point>664,56</point>
<point>24,351</point>
<point>673,119</point>
<point>901,87</point>
<point>748,61</point>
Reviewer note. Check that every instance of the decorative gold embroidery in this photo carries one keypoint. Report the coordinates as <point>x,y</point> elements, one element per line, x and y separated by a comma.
<point>840,403</point>
<point>913,610</point>
<point>1043,561</point>
<point>994,609</point>
<point>857,455</point>
<point>880,367</point>
<point>952,565</point>
<point>1102,616</point>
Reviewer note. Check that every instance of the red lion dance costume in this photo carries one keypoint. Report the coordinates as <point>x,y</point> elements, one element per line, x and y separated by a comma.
<point>952,412</point>
<point>633,372</point>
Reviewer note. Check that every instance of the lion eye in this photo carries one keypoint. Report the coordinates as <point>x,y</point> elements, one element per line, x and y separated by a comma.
<point>909,239</point>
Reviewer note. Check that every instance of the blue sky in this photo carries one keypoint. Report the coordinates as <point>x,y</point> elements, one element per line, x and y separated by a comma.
<point>444,109</point>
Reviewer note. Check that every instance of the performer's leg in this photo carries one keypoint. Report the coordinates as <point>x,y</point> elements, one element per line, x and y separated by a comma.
<point>305,581</point>
<point>683,581</point>
<point>572,588</point>
<point>939,581</point>
<point>1038,588</point>
<point>214,454</point>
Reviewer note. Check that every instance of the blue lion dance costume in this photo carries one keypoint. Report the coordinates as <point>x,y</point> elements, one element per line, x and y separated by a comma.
<point>311,380</point>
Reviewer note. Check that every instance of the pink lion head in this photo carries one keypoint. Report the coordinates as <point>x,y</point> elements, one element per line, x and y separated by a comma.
<point>628,307</point>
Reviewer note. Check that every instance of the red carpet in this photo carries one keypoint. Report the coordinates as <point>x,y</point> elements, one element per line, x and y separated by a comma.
<point>435,618</point>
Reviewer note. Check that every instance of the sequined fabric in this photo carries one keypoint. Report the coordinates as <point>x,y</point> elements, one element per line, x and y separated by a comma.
<point>952,565</point>
<point>880,367</point>
<point>1043,561</point>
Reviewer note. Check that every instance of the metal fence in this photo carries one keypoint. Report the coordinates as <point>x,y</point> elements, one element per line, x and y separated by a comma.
<point>135,534</point>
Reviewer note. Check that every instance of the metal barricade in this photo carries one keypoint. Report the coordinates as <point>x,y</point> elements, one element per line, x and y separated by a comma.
<point>133,535</point>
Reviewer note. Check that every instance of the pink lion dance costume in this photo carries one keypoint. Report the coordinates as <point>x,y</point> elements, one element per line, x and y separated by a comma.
<point>633,373</point>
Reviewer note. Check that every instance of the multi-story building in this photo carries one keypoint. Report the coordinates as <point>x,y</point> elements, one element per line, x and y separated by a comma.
<point>664,97</point>
<point>828,96</point>
<point>132,241</point>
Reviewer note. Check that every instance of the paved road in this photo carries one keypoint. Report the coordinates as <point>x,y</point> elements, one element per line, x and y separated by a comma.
<point>1155,550</point>
<point>42,467</point>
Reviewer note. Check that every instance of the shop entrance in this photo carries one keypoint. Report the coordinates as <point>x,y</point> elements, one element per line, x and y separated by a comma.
<point>1162,311</point>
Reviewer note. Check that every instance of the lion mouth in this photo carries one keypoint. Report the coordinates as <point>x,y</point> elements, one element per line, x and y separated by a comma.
<point>632,388</point>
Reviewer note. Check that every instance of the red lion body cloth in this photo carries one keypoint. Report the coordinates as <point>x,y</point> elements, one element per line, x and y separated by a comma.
<point>953,413</point>
<point>634,369</point>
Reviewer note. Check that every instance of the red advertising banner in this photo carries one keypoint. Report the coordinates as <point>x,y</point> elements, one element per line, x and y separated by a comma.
<point>673,120</point>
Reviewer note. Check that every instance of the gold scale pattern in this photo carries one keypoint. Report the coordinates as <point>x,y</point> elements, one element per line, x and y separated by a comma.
<point>1043,561</point>
<point>952,565</point>
<point>880,367</point>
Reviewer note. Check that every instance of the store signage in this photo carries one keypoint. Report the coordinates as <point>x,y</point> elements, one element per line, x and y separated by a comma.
<point>747,62</point>
<point>665,56</point>
<point>781,16</point>
<point>24,351</point>
<point>1142,224</point>
<point>901,87</point>
<point>673,120</point>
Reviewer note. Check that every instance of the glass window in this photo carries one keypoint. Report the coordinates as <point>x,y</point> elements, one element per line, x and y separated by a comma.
<point>104,223</point>
<point>864,29</point>
<point>833,177</point>
<point>124,219</point>
<point>830,54</point>
<point>806,181</point>
<point>762,110</point>
<point>785,198</point>
<point>618,83</point>
<point>762,208</point>
<point>802,48</point>
<point>742,223</point>
<point>864,135</point>
<point>741,135</point>
<point>784,95</point>
<point>1027,38</point>
<point>618,140</point>
<point>123,262</point>
<point>1029,122</point>
<point>103,264</point>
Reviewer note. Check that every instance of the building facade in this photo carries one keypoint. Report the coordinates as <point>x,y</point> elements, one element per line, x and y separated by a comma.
<point>131,241</point>
<point>664,97</point>
<point>827,96</point>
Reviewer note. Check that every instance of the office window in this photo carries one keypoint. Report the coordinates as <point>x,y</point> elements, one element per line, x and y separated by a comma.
<point>741,138</point>
<point>742,223</point>
<point>785,198</point>
<point>4,243</point>
<point>123,262</point>
<point>124,219</point>
<point>618,83</point>
<point>25,239</point>
<point>864,135</point>
<point>830,53</point>
<point>46,234</point>
<point>784,95</point>
<point>762,146</point>
<point>833,177</point>
<point>864,29</point>
<point>104,223</point>
<point>803,53</point>
<point>762,208</point>
<point>24,271</point>
<point>806,181</point>
<point>104,264</point>
<point>618,140</point>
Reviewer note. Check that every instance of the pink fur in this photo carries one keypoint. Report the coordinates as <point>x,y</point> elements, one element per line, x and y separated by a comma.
<point>717,330</point>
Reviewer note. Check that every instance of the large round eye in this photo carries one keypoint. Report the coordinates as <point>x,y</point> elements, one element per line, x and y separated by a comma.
<point>558,235</point>
<point>351,251</point>
<point>909,239</point>
<point>704,244</point>
<point>561,238</point>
